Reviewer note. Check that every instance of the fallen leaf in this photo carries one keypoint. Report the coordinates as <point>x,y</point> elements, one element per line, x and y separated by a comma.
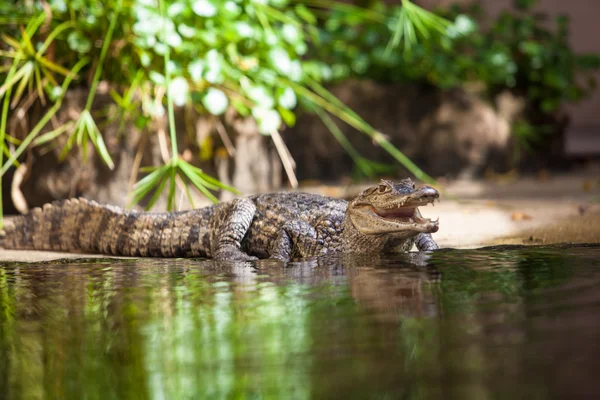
<point>442,180</point>
<point>532,240</point>
<point>220,153</point>
<point>582,208</point>
<point>543,175</point>
<point>520,216</point>
<point>311,182</point>
<point>187,155</point>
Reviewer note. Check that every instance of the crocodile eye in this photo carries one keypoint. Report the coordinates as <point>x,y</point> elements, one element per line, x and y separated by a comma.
<point>414,185</point>
<point>382,189</point>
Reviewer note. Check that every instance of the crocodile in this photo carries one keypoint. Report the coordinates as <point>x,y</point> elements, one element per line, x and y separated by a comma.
<point>382,219</point>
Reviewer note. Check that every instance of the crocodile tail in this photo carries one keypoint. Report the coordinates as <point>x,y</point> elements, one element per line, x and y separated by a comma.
<point>80,225</point>
<point>69,225</point>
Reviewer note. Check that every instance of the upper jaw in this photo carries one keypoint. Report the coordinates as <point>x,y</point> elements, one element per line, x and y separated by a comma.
<point>421,197</point>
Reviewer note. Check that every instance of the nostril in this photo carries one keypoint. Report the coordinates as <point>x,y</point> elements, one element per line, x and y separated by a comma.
<point>429,191</point>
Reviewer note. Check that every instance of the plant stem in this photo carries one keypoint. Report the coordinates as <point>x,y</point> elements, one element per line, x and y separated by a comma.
<point>343,141</point>
<point>98,72</point>
<point>333,105</point>
<point>5,104</point>
<point>172,133</point>
<point>3,120</point>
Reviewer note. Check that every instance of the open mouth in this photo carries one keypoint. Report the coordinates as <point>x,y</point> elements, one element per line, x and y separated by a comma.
<point>405,215</point>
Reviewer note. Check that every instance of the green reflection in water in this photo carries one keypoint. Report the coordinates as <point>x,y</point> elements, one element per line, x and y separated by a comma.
<point>457,324</point>
<point>224,340</point>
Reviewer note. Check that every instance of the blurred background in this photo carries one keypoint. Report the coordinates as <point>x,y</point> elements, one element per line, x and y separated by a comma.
<point>170,104</point>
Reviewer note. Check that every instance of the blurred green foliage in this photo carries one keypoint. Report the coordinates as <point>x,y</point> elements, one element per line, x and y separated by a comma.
<point>520,50</point>
<point>256,56</point>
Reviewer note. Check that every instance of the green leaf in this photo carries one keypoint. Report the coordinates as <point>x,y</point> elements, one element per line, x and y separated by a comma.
<point>244,29</point>
<point>289,118</point>
<point>204,8</point>
<point>208,178</point>
<point>156,195</point>
<point>173,39</point>
<point>171,196</point>
<point>280,59</point>
<point>186,31</point>
<point>260,96</point>
<point>305,14</point>
<point>176,9</point>
<point>27,70</point>
<point>343,140</point>
<point>145,185</point>
<point>215,101</point>
<point>196,181</point>
<point>44,120</point>
<point>187,190</point>
<point>78,42</point>
<point>291,33</point>
<point>195,69</point>
<point>67,148</point>
<point>58,5</point>
<point>101,147</point>
<point>268,120</point>
<point>22,72</point>
<point>524,4</point>
<point>53,134</point>
<point>53,35</point>
<point>463,25</point>
<point>287,99</point>
<point>179,90</point>
<point>231,9</point>
<point>157,78</point>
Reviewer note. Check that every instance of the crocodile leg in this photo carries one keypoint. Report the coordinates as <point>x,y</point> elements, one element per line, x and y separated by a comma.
<point>231,229</point>
<point>425,242</point>
<point>297,239</point>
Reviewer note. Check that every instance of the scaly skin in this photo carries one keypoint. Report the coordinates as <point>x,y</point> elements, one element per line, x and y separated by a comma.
<point>275,225</point>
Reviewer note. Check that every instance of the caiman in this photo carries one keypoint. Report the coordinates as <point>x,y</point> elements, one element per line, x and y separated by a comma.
<point>382,219</point>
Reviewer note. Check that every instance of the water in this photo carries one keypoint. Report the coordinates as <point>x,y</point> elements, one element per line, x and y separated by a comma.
<point>517,323</point>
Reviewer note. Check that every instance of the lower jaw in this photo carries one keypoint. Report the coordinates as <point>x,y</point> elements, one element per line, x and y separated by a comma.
<point>419,228</point>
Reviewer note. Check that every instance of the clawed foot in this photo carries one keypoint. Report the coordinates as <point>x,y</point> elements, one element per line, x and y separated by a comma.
<point>230,253</point>
<point>279,258</point>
